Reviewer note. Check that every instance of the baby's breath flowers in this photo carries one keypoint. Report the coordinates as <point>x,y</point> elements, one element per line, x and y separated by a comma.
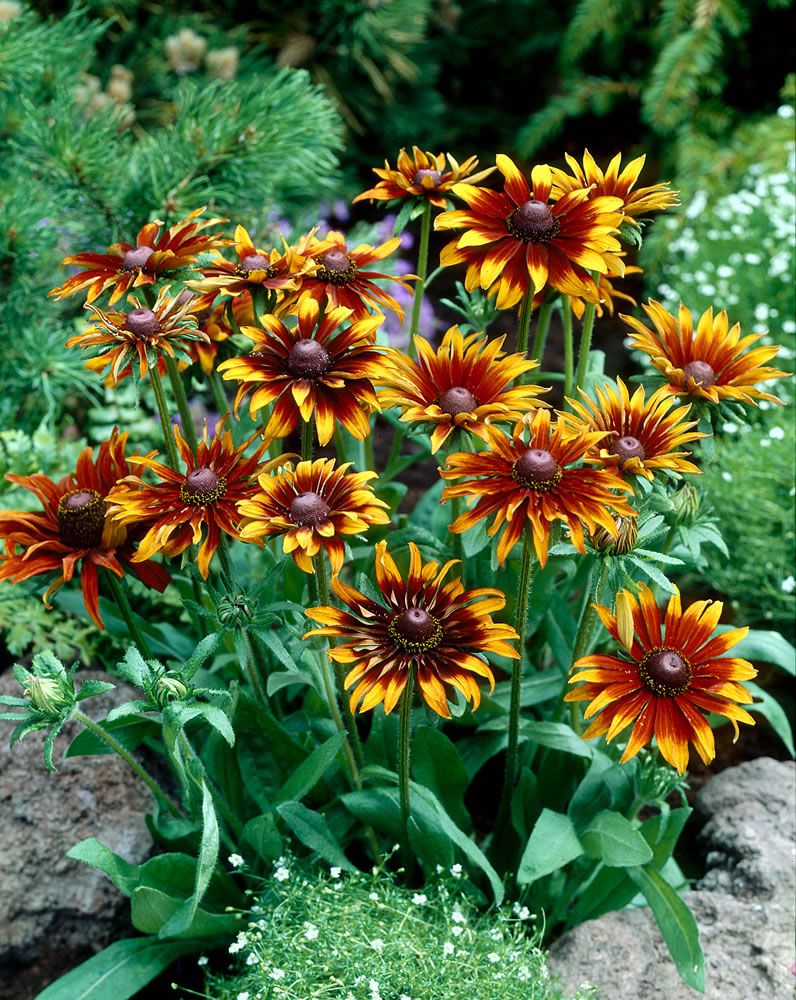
<point>712,364</point>
<point>139,337</point>
<point>442,630</point>
<point>316,369</point>
<point>422,175</point>
<point>75,529</point>
<point>669,668</point>
<point>312,507</point>
<point>641,435</point>
<point>196,506</point>
<point>465,385</point>
<point>518,240</point>
<point>130,265</point>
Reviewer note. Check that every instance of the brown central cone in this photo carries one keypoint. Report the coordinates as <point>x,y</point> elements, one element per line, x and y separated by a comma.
<point>415,625</point>
<point>81,519</point>
<point>308,509</point>
<point>308,359</point>
<point>666,669</point>
<point>255,262</point>
<point>435,176</point>
<point>628,447</point>
<point>533,222</point>
<point>142,323</point>
<point>701,372</point>
<point>135,259</point>
<point>457,400</point>
<point>202,481</point>
<point>536,467</point>
<point>336,260</point>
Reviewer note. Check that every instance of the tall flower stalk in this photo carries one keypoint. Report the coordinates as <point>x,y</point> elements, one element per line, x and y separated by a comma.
<point>422,272</point>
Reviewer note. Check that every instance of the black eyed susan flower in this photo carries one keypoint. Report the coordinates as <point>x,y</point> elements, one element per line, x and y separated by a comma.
<point>668,673</point>
<point>441,628</point>
<point>422,175</point>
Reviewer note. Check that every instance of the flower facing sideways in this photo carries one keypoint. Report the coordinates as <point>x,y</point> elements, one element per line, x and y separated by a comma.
<point>667,671</point>
<point>532,483</point>
<point>441,628</point>
<point>75,528</point>
<point>422,175</point>
<point>312,507</point>
<point>465,385</point>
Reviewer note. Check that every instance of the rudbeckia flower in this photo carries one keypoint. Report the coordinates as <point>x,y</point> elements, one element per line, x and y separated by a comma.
<point>75,529</point>
<point>713,363</point>
<point>312,507</point>
<point>667,670</point>
<point>441,628</point>
<point>422,175</point>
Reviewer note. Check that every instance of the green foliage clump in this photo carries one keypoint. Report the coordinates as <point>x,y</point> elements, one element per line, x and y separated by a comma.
<point>751,493</point>
<point>352,936</point>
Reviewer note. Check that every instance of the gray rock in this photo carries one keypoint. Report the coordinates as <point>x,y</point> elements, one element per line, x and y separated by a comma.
<point>744,906</point>
<point>55,912</point>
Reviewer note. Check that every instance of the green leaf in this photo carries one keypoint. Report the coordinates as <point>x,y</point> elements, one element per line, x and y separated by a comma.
<point>131,733</point>
<point>437,765</point>
<point>152,909</point>
<point>556,736</point>
<point>552,844</point>
<point>404,216</point>
<point>308,774</point>
<point>376,806</point>
<point>198,657</point>
<point>646,567</point>
<point>120,971</point>
<point>476,539</point>
<point>612,839</point>
<point>133,667</point>
<point>662,832</point>
<point>273,642</point>
<point>284,678</point>
<point>219,720</point>
<point>94,853</point>
<point>771,710</point>
<point>431,845</point>
<point>312,829</point>
<point>761,646</point>
<point>677,924</point>
<point>263,837</point>
<point>525,805</point>
<point>92,688</point>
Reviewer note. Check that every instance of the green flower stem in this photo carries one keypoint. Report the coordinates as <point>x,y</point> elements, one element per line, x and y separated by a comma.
<point>129,760</point>
<point>178,390</point>
<point>123,604</point>
<point>585,340</point>
<point>422,271</point>
<point>219,798</point>
<point>585,630</point>
<point>542,329</point>
<point>254,675</point>
<point>353,744</point>
<point>569,358</point>
<point>526,311</point>
<point>523,602</point>
<point>307,437</point>
<point>165,417</point>
<point>219,396</point>
<point>458,541</point>
<point>226,562</point>
<point>370,459</point>
<point>404,742</point>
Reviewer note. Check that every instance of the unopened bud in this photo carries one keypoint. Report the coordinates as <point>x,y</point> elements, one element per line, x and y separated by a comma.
<point>50,695</point>
<point>170,687</point>
<point>686,503</point>
<point>624,542</point>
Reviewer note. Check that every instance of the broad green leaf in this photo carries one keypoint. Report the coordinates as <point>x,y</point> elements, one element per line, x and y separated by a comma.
<point>437,765</point>
<point>312,829</point>
<point>556,736</point>
<point>431,844</point>
<point>119,972</point>
<point>284,678</point>
<point>662,833</point>
<point>198,657</point>
<point>308,774</point>
<point>151,909</point>
<point>376,806</point>
<point>761,646</point>
<point>263,837</point>
<point>525,805</point>
<point>94,853</point>
<point>131,733</point>
<point>552,844</point>
<point>771,710</point>
<point>677,924</point>
<point>612,839</point>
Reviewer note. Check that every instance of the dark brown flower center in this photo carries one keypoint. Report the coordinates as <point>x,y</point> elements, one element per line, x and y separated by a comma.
<point>256,262</point>
<point>142,323</point>
<point>415,631</point>
<point>628,447</point>
<point>81,519</point>
<point>536,469</point>
<point>308,359</point>
<point>134,260</point>
<point>434,175</point>
<point>665,672</point>
<point>308,509</point>
<point>533,222</point>
<point>202,486</point>
<point>701,372</point>
<point>337,268</point>
<point>457,400</point>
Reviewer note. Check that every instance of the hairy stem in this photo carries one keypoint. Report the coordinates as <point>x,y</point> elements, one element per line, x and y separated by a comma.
<point>585,630</point>
<point>585,340</point>
<point>165,416</point>
<point>422,271</point>
<point>178,390</point>
<point>307,437</point>
<point>124,606</point>
<point>404,742</point>
<point>542,329</point>
<point>219,396</point>
<point>569,356</point>
<point>526,310</point>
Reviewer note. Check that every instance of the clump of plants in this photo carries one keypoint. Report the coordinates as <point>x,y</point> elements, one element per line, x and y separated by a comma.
<point>503,679</point>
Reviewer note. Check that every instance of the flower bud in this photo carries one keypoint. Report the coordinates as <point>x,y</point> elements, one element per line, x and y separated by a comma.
<point>686,503</point>
<point>170,687</point>
<point>234,611</point>
<point>624,542</point>
<point>49,695</point>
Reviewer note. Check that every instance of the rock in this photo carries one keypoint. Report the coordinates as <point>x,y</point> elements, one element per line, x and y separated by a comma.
<point>744,906</point>
<point>55,912</point>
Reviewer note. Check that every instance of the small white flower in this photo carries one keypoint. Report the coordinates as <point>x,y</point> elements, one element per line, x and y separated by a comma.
<point>282,874</point>
<point>202,960</point>
<point>404,996</point>
<point>524,913</point>
<point>788,585</point>
<point>456,870</point>
<point>311,932</point>
<point>419,898</point>
<point>777,433</point>
<point>337,885</point>
<point>374,896</point>
<point>457,930</point>
<point>377,944</point>
<point>235,860</point>
<point>730,428</point>
<point>493,957</point>
<point>458,917</point>
<point>252,959</point>
<point>496,934</point>
<point>277,973</point>
<point>726,476</point>
<point>335,872</point>
<point>447,948</point>
<point>244,995</point>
